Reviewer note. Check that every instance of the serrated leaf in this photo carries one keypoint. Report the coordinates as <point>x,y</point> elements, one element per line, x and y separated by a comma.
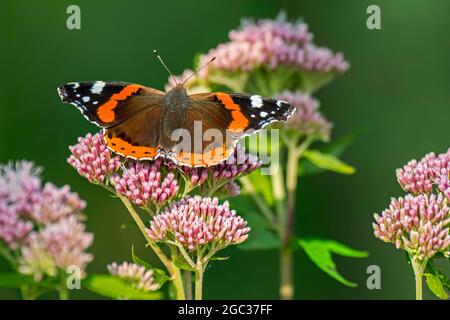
<point>335,148</point>
<point>435,286</point>
<point>345,251</point>
<point>320,252</point>
<point>117,288</point>
<point>328,162</point>
<point>13,280</point>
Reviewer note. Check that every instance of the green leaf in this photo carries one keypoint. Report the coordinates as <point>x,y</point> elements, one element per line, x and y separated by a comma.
<point>443,279</point>
<point>219,258</point>
<point>117,288</point>
<point>160,276</point>
<point>335,148</point>
<point>320,252</point>
<point>182,264</point>
<point>138,260</point>
<point>13,280</point>
<point>328,162</point>
<point>435,285</point>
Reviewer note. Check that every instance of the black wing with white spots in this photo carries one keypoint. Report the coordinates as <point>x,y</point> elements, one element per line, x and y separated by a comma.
<point>261,111</point>
<point>108,104</point>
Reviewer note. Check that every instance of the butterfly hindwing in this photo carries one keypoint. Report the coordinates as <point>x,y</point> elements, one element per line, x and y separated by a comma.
<point>138,136</point>
<point>108,103</point>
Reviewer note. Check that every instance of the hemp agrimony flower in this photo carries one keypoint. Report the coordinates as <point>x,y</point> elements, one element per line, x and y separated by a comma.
<point>138,276</point>
<point>166,192</point>
<point>197,222</point>
<point>419,223</point>
<point>42,227</point>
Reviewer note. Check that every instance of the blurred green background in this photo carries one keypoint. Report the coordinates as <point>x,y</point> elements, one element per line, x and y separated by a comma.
<point>397,87</point>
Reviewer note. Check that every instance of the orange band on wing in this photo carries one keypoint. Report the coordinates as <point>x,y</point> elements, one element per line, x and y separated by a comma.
<point>128,150</point>
<point>207,158</point>
<point>239,121</point>
<point>106,111</point>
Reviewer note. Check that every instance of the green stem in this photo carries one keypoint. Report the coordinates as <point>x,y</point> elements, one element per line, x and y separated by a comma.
<point>171,268</point>
<point>199,278</point>
<point>286,275</point>
<point>286,261</point>
<point>188,281</point>
<point>257,199</point>
<point>419,268</point>
<point>63,293</point>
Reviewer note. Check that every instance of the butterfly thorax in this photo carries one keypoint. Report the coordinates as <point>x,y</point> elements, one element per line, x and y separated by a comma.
<point>175,103</point>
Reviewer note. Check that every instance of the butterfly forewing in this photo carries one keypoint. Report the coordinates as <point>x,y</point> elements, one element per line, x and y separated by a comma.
<point>108,103</point>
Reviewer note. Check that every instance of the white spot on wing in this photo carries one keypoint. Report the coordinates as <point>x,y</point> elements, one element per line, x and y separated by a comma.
<point>257,101</point>
<point>263,114</point>
<point>280,103</point>
<point>74,84</point>
<point>86,99</point>
<point>98,87</point>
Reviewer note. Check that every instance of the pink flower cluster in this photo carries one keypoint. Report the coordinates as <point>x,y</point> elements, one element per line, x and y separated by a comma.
<point>270,44</point>
<point>418,224</point>
<point>307,119</point>
<point>20,193</point>
<point>13,229</point>
<point>142,182</point>
<point>139,277</point>
<point>56,203</point>
<point>195,222</point>
<point>420,176</point>
<point>156,182</point>
<point>61,243</point>
<point>92,159</point>
<point>44,222</point>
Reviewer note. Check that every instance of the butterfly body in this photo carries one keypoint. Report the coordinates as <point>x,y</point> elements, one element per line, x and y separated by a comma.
<point>193,130</point>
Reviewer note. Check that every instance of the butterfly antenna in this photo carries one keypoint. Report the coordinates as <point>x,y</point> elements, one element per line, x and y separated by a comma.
<point>164,65</point>
<point>198,70</point>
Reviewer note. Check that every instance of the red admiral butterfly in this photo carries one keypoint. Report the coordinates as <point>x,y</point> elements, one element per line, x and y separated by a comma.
<point>140,122</point>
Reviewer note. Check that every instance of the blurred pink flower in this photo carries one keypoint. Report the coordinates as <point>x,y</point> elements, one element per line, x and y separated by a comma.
<point>92,159</point>
<point>269,44</point>
<point>136,275</point>
<point>13,229</point>
<point>60,244</point>
<point>20,186</point>
<point>307,119</point>
<point>418,224</point>
<point>56,203</point>
<point>41,222</point>
<point>196,222</point>
<point>144,182</point>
